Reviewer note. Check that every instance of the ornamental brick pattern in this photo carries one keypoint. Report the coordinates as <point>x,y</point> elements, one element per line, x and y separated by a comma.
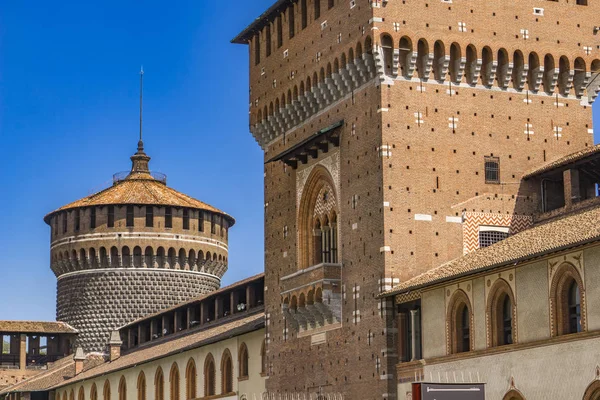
<point>473,220</point>
<point>99,302</point>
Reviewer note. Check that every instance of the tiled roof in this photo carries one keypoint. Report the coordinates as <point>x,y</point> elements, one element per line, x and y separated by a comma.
<point>140,189</point>
<point>167,348</point>
<point>55,374</point>
<point>35,327</point>
<point>562,161</point>
<point>570,231</point>
<point>196,299</point>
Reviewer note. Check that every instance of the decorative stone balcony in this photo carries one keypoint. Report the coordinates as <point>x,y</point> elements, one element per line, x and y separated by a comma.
<point>312,297</point>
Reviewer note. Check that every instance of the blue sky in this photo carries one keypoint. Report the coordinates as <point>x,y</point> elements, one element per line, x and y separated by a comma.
<point>69,120</point>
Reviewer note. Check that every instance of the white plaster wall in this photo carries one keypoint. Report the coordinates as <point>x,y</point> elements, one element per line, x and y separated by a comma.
<point>255,383</point>
<point>591,260</point>
<point>433,323</point>
<point>533,312</point>
<point>552,372</point>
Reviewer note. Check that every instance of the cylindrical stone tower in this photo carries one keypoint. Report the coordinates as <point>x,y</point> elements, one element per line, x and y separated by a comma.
<point>132,249</point>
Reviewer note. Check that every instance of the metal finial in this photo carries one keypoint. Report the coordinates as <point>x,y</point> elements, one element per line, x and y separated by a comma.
<point>141,102</point>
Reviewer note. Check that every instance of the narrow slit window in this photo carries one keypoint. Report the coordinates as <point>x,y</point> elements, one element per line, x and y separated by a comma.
<point>149,216</point>
<point>213,224</point>
<point>201,221</point>
<point>129,217</point>
<point>291,20</point>
<point>186,218</point>
<point>111,217</point>
<point>64,222</point>
<point>317,9</point>
<point>257,49</point>
<point>268,40</point>
<point>77,220</point>
<point>93,218</point>
<point>279,32</point>
<point>168,217</point>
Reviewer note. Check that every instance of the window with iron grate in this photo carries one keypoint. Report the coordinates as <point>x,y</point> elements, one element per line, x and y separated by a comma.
<point>491,236</point>
<point>492,170</point>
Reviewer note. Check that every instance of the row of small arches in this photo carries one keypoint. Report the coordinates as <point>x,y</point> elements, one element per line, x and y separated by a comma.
<point>318,77</point>
<point>302,300</point>
<point>485,66</point>
<point>191,375</point>
<point>191,260</point>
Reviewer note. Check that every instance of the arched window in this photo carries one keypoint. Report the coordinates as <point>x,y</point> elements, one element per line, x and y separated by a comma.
<point>580,76</point>
<point>317,9</point>
<point>564,75</point>
<point>103,257</point>
<point>174,382</point>
<point>455,63</point>
<point>318,203</point>
<point>567,301</point>
<point>209,376</point>
<point>141,386</point>
<point>534,72</point>
<point>518,70</point>
<point>93,392</point>
<point>406,53</point>
<point>460,321</point>
<point>593,391</point>
<point>64,395</point>
<point>126,256</point>
<point>549,82</point>
<point>172,258</point>
<point>387,45</point>
<point>243,362</point>
<point>122,389</point>
<point>439,61</point>
<point>263,358</point>
<point>72,395</point>
<point>513,395</point>
<point>423,59</point>
<point>159,385</point>
<point>182,259</point>
<point>502,69</point>
<point>114,257</point>
<point>137,257</point>
<point>149,257</point>
<point>226,373</point>
<point>106,392</point>
<point>487,66</point>
<point>501,309</point>
<point>81,394</point>
<point>190,380</point>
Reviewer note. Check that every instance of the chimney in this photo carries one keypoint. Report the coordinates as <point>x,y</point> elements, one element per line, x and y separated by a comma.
<point>79,359</point>
<point>115,345</point>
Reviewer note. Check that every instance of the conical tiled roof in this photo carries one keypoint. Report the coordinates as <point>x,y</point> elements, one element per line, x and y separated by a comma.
<point>140,187</point>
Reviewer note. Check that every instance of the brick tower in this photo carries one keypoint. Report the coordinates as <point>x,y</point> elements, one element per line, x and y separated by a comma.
<point>133,249</point>
<point>395,135</point>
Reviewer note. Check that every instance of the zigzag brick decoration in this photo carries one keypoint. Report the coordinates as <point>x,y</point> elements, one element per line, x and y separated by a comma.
<point>472,221</point>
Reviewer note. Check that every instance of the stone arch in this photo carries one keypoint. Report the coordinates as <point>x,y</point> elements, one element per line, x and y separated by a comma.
<point>294,303</point>
<point>289,96</point>
<point>336,66</point>
<point>368,45</point>
<point>302,88</point>
<point>302,300</point>
<point>103,257</point>
<point>579,76</point>
<point>423,59</point>
<point>315,80</point>
<point>387,49</point>
<point>82,259</point>
<point>106,391</point>
<point>518,70</point>
<point>359,50</point>
<point>592,392</point>
<point>271,109</point>
<point>72,395</point>
<point>322,75</point>
<point>498,294</point>
<point>277,105</point>
<point>563,282</point>
<point>472,65</point>
<point>209,376</point>
<point>160,257</point>
<point>405,51</point>
<point>243,361</point>
<point>114,257</point>
<point>259,116</point>
<point>595,67</point>
<point>343,61</point>
<point>93,392</point>
<point>351,55</point>
<point>459,330</point>
<point>513,394</point>
<point>534,70</point>
<point>159,384</point>
<point>122,388</point>
<point>319,183</point>
<point>208,256</point>
<point>564,75</point>
<point>310,297</point>
<point>126,257</point>
<point>174,382</point>
<point>295,93</point>
<point>93,260</point>
<point>192,260</point>
<point>171,258</point>
<point>190,379</point>
<point>549,67</point>
<point>181,259</point>
<point>137,257</point>
<point>455,63</point>
<point>308,84</point>
<point>439,60</point>
<point>81,394</point>
<point>226,372</point>
<point>149,257</point>
<point>502,69</point>
<point>141,386</point>
<point>487,66</point>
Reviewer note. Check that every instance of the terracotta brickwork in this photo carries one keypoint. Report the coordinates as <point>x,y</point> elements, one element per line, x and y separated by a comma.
<point>418,122</point>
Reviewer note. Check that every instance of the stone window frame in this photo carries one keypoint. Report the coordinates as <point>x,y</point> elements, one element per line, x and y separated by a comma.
<point>81,393</point>
<point>72,394</point>
<point>191,380</point>
<point>318,178</point>
<point>209,376</point>
<point>141,386</point>
<point>226,372</point>
<point>459,298</point>
<point>174,382</point>
<point>106,391</point>
<point>565,274</point>
<point>593,390</point>
<point>263,358</point>
<point>494,313</point>
<point>243,356</point>
<point>159,384</point>
<point>93,392</point>
<point>513,394</point>
<point>122,388</point>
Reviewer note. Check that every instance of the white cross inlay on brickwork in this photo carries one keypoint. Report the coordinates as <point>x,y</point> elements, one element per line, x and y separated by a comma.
<point>419,118</point>
<point>339,38</point>
<point>525,33</point>
<point>587,49</point>
<point>318,56</point>
<point>462,27</point>
<point>370,337</point>
<point>396,26</point>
